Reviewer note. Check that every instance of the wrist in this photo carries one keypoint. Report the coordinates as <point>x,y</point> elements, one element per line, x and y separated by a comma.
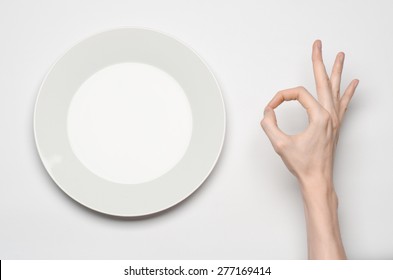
<point>318,191</point>
<point>321,213</point>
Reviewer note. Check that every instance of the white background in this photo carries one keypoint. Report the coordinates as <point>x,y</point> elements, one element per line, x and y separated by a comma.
<point>250,206</point>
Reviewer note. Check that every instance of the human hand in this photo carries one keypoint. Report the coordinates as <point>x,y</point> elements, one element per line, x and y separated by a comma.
<point>309,155</point>
<point>311,152</point>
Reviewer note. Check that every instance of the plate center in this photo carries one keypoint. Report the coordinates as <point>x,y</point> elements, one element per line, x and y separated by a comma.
<point>130,123</point>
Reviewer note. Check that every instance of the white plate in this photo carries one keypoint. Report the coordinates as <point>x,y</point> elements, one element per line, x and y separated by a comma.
<point>62,129</point>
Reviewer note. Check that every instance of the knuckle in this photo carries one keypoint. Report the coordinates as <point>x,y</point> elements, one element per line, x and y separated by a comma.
<point>336,94</point>
<point>279,146</point>
<point>344,107</point>
<point>328,120</point>
<point>324,116</point>
<point>335,122</point>
<point>263,123</point>
<point>325,83</point>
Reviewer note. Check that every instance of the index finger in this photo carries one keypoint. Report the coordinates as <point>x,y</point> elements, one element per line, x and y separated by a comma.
<point>300,94</point>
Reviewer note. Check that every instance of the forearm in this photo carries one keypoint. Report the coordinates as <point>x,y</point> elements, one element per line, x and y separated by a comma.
<point>323,231</point>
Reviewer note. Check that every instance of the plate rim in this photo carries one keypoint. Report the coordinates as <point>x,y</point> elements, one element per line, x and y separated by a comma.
<point>166,34</point>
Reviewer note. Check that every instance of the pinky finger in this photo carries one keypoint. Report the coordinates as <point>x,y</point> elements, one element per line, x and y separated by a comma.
<point>346,98</point>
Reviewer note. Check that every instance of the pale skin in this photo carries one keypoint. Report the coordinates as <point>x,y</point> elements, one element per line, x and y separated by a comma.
<point>309,155</point>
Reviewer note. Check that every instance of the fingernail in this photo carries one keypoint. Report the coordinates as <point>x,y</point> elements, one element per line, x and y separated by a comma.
<point>342,56</point>
<point>356,83</point>
<point>319,44</point>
